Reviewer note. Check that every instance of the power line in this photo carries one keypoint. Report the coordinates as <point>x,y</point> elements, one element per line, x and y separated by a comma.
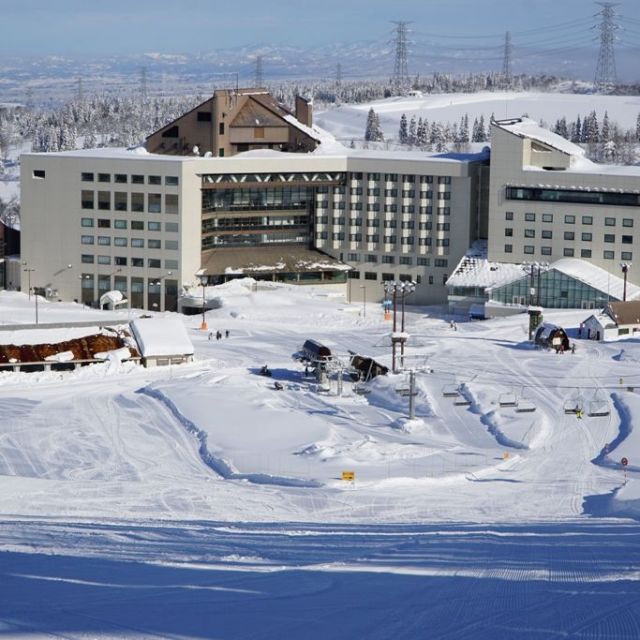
<point>605,78</point>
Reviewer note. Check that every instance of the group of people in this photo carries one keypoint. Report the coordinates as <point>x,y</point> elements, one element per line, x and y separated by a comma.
<point>218,334</point>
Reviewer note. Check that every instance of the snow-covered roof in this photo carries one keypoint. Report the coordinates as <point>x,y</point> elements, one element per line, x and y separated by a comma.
<point>528,128</point>
<point>475,270</point>
<point>161,337</point>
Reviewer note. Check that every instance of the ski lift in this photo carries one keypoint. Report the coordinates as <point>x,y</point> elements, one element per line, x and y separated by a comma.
<point>598,405</point>
<point>507,399</point>
<point>361,389</point>
<point>524,405</point>
<point>573,404</point>
<point>451,390</point>
<point>462,401</point>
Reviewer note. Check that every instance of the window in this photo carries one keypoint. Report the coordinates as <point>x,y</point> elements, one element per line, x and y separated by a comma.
<point>337,235</point>
<point>390,224</point>
<point>104,260</point>
<point>508,215</point>
<point>444,180</point>
<point>374,223</point>
<point>424,242</point>
<point>627,222</point>
<point>120,201</point>
<point>390,239</point>
<point>547,217</point>
<point>391,193</point>
<point>626,255</point>
<point>508,248</point>
<point>545,251</point>
<point>390,177</point>
<point>442,226</point>
<point>441,262</point>
<point>442,242</point>
<point>356,206</point>
<point>104,223</point>
<point>137,225</point>
<point>423,262</point>
<point>138,243</point>
<point>86,258</point>
<point>120,178</point>
<point>339,190</point>
<point>567,252</point>
<point>547,234</point>
<point>368,275</point>
<point>627,239</point>
<point>86,239</point>
<point>373,191</point>
<point>171,203</point>
<point>121,261</point>
<point>354,275</point>
<point>170,264</point>
<point>371,257</point>
<point>154,226</point>
<point>221,152</point>
<point>154,263</point>
<point>529,249</point>
<point>154,203</point>
<point>425,226</point>
<point>137,262</point>
<point>356,191</point>
<point>608,255</point>
<point>104,200</point>
<point>390,208</point>
<point>409,224</point>
<point>171,245</point>
<point>408,193</point>
<point>445,195</point>
<point>258,132</point>
<point>587,219</point>
<point>86,176</point>
<point>428,210</point>
<point>609,237</point>
<point>569,219</point>
<point>356,175</point>
<point>86,199</point>
<point>426,194</point>
<point>406,260</point>
<point>388,260</point>
<point>86,222</point>
<point>375,206</point>
<point>154,244</point>
<point>609,222</point>
<point>444,211</point>
<point>408,178</point>
<point>585,253</point>
<point>426,179</point>
<point>204,116</point>
<point>569,235</point>
<point>387,277</point>
<point>530,217</point>
<point>430,279</point>
<point>171,132</point>
<point>353,257</point>
<point>339,205</point>
<point>120,224</point>
<point>120,242</point>
<point>137,179</point>
<point>374,176</point>
<point>104,241</point>
<point>154,180</point>
<point>171,227</point>
<point>587,237</point>
<point>529,233</point>
<point>104,177</point>
<point>408,208</point>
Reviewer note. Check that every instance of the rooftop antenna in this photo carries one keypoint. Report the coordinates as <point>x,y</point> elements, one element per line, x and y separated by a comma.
<point>605,78</point>
<point>506,64</point>
<point>400,79</point>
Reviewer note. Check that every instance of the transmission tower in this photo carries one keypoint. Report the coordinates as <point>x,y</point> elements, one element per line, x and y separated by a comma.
<point>143,83</point>
<point>259,76</point>
<point>506,64</point>
<point>400,79</point>
<point>605,79</point>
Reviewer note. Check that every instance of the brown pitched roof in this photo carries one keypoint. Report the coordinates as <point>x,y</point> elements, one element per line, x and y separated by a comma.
<point>625,312</point>
<point>254,114</point>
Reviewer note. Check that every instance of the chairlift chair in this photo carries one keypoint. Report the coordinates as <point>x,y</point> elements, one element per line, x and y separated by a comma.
<point>573,404</point>
<point>524,405</point>
<point>450,391</point>
<point>598,405</point>
<point>507,399</point>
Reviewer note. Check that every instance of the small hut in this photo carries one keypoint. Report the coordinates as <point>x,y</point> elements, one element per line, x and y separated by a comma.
<point>551,336</point>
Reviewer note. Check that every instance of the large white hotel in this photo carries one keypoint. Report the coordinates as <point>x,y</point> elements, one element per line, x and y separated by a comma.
<point>239,186</point>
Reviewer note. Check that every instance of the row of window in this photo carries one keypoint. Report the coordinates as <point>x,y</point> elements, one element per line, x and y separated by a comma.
<point>340,236</point>
<point>138,243</point>
<point>585,236</point>
<point>152,263</point>
<point>136,225</point>
<point>123,178</point>
<point>388,277</point>
<point>388,208</point>
<point>387,224</point>
<point>393,177</point>
<point>393,193</point>
<point>571,219</point>
<point>123,201</point>
<point>569,252</point>
<point>404,260</point>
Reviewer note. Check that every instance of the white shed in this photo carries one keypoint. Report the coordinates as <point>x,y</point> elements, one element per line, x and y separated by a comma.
<point>162,341</point>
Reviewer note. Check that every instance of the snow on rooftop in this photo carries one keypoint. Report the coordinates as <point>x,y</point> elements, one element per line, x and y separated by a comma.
<point>161,337</point>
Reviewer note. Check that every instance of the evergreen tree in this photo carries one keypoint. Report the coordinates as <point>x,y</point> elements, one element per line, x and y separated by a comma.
<point>412,130</point>
<point>561,128</point>
<point>576,131</point>
<point>370,129</point>
<point>403,134</point>
<point>422,138</point>
<point>605,134</point>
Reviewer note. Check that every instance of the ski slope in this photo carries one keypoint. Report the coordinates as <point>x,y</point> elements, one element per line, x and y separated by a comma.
<point>198,501</point>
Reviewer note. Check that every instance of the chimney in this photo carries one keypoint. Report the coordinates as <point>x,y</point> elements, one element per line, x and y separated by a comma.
<point>304,111</point>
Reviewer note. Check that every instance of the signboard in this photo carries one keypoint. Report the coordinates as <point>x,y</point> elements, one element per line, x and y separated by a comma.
<point>349,475</point>
<point>624,462</point>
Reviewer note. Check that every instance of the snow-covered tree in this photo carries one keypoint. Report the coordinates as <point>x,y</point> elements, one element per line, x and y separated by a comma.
<point>403,134</point>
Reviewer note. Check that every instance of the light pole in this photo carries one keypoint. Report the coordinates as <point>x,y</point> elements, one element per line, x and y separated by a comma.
<point>28,271</point>
<point>625,266</point>
<point>364,300</point>
<point>202,277</point>
<point>394,289</point>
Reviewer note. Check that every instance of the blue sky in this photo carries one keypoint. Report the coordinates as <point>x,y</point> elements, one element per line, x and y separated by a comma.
<point>136,26</point>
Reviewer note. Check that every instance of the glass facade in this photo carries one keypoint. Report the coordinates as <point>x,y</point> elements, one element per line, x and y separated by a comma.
<point>572,195</point>
<point>284,198</point>
<point>553,289</point>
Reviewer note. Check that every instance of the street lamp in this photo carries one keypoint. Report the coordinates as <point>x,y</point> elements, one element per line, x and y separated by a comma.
<point>625,266</point>
<point>396,289</point>
<point>202,277</point>
<point>28,271</point>
<point>364,300</point>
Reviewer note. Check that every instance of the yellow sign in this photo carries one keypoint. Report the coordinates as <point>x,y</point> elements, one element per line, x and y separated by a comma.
<point>348,475</point>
